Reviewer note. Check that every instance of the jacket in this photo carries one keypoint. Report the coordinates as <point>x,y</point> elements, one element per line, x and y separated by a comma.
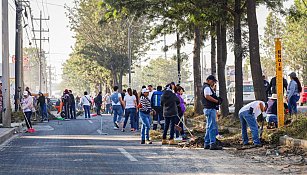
<point>41,100</point>
<point>181,107</point>
<point>156,99</point>
<point>169,103</point>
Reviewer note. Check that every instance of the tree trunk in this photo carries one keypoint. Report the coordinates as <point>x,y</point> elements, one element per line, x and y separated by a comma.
<point>238,51</point>
<point>254,51</point>
<point>197,72</point>
<point>213,52</point>
<point>221,64</point>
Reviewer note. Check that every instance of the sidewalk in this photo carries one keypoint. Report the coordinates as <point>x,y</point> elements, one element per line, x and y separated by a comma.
<point>6,133</point>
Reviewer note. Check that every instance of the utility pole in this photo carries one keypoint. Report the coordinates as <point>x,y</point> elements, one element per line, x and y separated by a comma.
<point>6,106</point>
<point>50,80</point>
<point>178,58</point>
<point>18,53</point>
<point>40,77</point>
<point>129,52</point>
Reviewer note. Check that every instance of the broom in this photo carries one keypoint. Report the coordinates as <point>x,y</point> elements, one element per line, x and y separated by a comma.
<point>178,128</point>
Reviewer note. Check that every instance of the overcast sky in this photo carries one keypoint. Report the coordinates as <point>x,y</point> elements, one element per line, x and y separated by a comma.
<point>61,38</point>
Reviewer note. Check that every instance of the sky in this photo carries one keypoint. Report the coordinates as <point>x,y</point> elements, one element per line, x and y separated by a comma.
<point>61,39</point>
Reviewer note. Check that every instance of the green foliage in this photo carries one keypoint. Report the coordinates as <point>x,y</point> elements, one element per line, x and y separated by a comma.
<point>17,117</point>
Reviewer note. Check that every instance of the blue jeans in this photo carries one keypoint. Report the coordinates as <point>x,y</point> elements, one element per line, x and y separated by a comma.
<point>72,109</point>
<point>292,104</point>
<point>117,111</point>
<point>250,120</point>
<point>44,112</point>
<point>108,108</point>
<point>145,125</point>
<point>137,120</point>
<point>270,118</point>
<point>87,113</point>
<point>211,126</point>
<point>131,112</point>
<point>169,122</point>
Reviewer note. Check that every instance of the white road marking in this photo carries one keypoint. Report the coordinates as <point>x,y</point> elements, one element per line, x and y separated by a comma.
<point>90,121</point>
<point>129,156</point>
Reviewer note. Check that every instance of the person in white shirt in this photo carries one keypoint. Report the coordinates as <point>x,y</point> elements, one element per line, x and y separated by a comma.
<point>86,102</point>
<point>248,116</point>
<point>151,91</point>
<point>130,109</point>
<point>27,106</point>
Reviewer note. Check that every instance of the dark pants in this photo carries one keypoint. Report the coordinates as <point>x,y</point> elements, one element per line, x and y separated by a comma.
<point>158,118</point>
<point>66,110</point>
<point>169,122</point>
<point>72,111</point>
<point>177,120</point>
<point>131,112</point>
<point>137,120</point>
<point>28,119</point>
<point>98,108</point>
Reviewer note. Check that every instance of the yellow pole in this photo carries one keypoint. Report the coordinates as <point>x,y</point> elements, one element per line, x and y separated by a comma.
<point>279,83</point>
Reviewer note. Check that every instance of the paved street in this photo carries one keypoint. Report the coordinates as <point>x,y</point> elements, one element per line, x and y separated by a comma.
<point>76,147</point>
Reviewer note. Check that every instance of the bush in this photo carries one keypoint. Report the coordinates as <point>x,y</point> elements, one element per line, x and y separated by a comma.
<point>17,117</point>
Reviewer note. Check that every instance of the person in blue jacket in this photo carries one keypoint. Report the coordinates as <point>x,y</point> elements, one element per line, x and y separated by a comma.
<point>156,105</point>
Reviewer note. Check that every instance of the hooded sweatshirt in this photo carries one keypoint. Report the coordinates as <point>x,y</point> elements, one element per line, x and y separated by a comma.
<point>169,103</point>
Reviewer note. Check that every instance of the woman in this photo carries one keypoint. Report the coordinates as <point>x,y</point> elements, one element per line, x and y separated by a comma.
<point>27,106</point>
<point>130,109</point>
<point>293,93</point>
<point>145,109</point>
<point>181,110</point>
<point>137,117</point>
<point>85,101</point>
<point>169,103</point>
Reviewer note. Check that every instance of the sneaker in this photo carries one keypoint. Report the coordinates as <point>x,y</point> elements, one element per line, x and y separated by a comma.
<point>142,141</point>
<point>116,128</point>
<point>178,138</point>
<point>116,124</point>
<point>164,142</point>
<point>123,130</point>
<point>148,142</point>
<point>172,142</point>
<point>214,146</point>
<point>207,147</point>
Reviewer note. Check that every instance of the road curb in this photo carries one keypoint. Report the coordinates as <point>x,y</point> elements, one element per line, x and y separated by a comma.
<point>9,132</point>
<point>289,141</point>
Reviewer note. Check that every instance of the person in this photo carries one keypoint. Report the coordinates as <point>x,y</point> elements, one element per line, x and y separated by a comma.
<point>42,104</point>
<point>293,93</point>
<point>27,106</point>
<point>249,114</point>
<point>210,102</point>
<point>156,105</point>
<point>72,105</point>
<point>66,103</point>
<point>123,93</point>
<point>85,101</point>
<point>266,85</point>
<point>28,90</point>
<point>137,116</point>
<point>271,89</point>
<point>130,110</point>
<point>169,103</point>
<point>117,103</point>
<point>271,111</point>
<point>78,102</point>
<point>108,103</point>
<point>145,109</point>
<point>98,103</point>
<point>181,110</point>
<point>151,91</point>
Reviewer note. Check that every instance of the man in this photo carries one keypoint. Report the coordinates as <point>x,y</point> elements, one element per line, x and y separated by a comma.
<point>272,111</point>
<point>272,86</point>
<point>66,101</point>
<point>210,101</point>
<point>156,105</point>
<point>249,114</point>
<point>117,103</point>
<point>151,91</point>
<point>72,105</point>
<point>108,103</point>
<point>42,103</point>
<point>98,102</point>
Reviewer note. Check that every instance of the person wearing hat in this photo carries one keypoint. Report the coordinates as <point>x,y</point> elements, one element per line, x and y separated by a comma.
<point>27,106</point>
<point>293,93</point>
<point>145,109</point>
<point>42,104</point>
<point>249,115</point>
<point>272,111</point>
<point>210,102</point>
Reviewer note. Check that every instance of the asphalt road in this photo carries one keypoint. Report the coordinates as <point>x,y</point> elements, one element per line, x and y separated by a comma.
<point>76,147</point>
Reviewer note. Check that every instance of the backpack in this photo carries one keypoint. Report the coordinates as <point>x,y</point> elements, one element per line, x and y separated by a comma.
<point>114,97</point>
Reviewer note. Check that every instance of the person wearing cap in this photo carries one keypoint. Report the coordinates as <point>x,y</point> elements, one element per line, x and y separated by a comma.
<point>145,109</point>
<point>210,102</point>
<point>42,104</point>
<point>272,111</point>
<point>169,103</point>
<point>27,107</point>
<point>293,93</point>
<point>249,115</point>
